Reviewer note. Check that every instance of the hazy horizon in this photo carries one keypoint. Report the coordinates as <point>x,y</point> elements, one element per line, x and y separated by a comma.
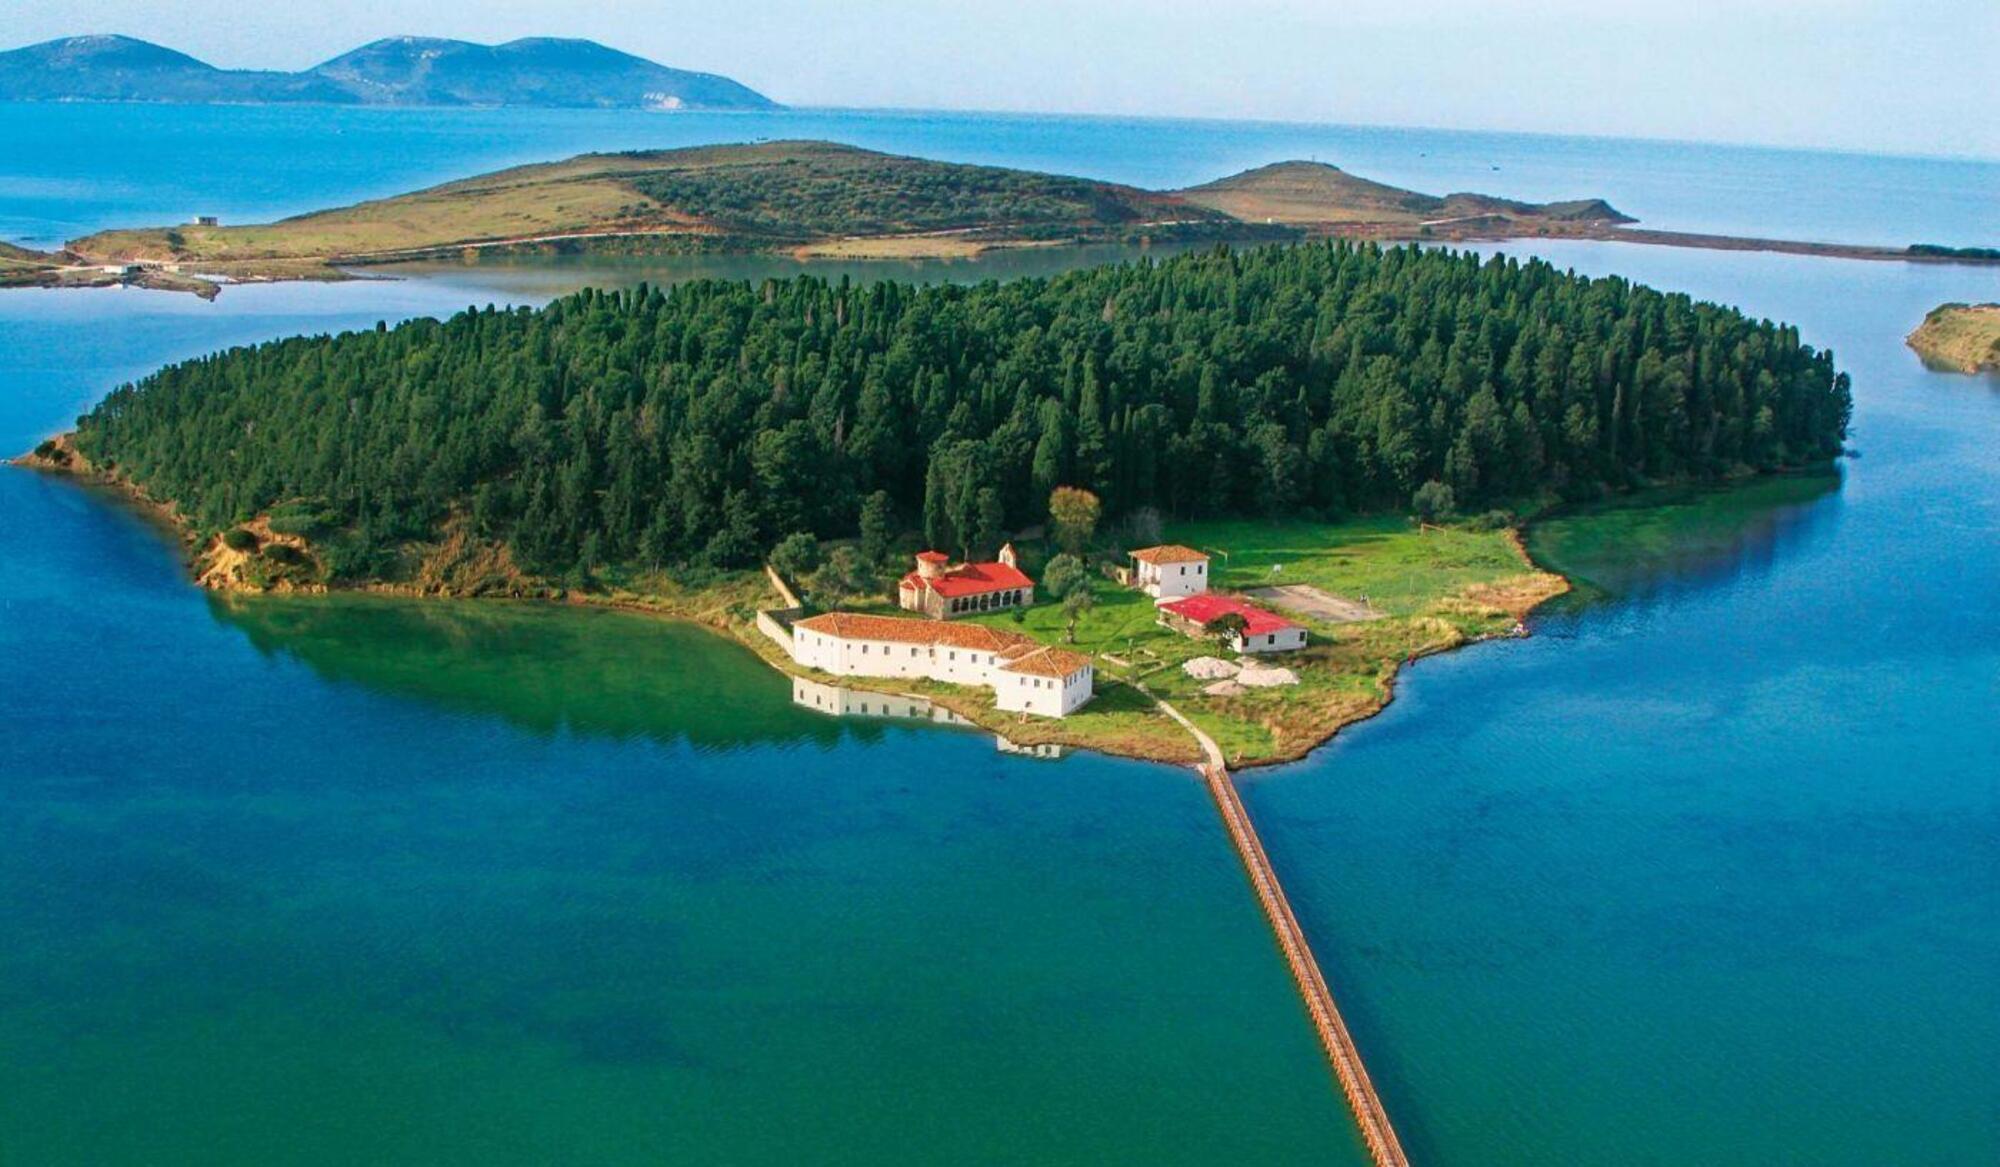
<point>1845,75</point>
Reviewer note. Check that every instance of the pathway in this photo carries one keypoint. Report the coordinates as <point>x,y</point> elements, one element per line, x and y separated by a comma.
<point>1369,1113</point>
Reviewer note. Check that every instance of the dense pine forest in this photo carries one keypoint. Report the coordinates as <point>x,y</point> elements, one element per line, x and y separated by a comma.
<point>702,424</point>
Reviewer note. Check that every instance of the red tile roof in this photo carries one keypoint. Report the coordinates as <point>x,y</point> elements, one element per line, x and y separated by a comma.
<point>1047,662</point>
<point>1169,553</point>
<point>1203,609</point>
<point>971,579</point>
<point>933,557</point>
<point>907,630</point>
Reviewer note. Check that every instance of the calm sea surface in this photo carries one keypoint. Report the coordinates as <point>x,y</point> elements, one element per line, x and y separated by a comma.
<point>1707,871</point>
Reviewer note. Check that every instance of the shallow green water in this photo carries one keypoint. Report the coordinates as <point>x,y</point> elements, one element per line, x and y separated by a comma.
<point>1705,872</point>
<point>338,881</point>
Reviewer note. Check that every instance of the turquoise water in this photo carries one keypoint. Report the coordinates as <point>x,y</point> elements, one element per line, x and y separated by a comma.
<point>1705,872</point>
<point>334,882</point>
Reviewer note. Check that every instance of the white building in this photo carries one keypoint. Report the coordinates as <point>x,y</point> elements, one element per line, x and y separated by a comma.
<point>1025,676</point>
<point>1261,630</point>
<point>1170,571</point>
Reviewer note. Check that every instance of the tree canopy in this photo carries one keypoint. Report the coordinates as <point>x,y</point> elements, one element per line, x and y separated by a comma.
<point>704,423</point>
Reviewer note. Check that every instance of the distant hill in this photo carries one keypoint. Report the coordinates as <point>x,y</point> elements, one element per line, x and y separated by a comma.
<point>397,71</point>
<point>759,196</point>
<point>1307,194</point>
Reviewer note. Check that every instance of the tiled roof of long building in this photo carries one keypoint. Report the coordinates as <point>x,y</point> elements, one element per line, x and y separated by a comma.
<point>904,630</point>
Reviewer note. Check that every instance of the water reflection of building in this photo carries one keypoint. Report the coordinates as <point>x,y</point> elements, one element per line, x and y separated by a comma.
<point>1048,750</point>
<point>838,702</point>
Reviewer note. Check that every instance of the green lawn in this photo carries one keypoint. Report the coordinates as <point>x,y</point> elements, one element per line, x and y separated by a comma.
<point>1400,568</point>
<point>1123,623</point>
<point>1438,588</point>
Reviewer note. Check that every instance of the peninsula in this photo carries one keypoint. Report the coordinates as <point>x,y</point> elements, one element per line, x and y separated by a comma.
<point>405,70</point>
<point>1965,337</point>
<point>1345,433</point>
<point>825,200</point>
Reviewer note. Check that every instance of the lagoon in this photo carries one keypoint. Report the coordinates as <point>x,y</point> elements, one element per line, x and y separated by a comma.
<point>1704,871</point>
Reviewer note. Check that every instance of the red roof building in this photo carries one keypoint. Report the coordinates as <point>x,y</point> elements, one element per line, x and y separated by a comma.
<point>942,591</point>
<point>1263,631</point>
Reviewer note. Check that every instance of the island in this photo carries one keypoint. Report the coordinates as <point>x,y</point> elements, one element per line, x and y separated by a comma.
<point>827,200</point>
<point>1963,337</point>
<point>1349,437</point>
<point>401,71</point>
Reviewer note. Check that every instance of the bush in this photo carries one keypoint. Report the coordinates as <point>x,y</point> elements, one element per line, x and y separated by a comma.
<point>1494,520</point>
<point>240,539</point>
<point>1062,575</point>
<point>1433,501</point>
<point>796,556</point>
<point>284,554</point>
<point>845,573</point>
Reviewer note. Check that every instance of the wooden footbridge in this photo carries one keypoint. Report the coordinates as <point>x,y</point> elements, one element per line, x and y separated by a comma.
<point>1347,1060</point>
<point>1369,1114</point>
<point>1362,1099</point>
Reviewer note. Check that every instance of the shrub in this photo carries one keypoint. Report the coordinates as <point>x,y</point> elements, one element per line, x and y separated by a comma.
<point>1062,575</point>
<point>1227,628</point>
<point>284,554</point>
<point>796,556</point>
<point>845,573</point>
<point>1433,501</point>
<point>240,539</point>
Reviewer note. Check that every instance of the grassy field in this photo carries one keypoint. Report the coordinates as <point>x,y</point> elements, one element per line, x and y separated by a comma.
<point>1436,587</point>
<point>771,194</point>
<point>1964,337</point>
<point>818,197</point>
<point>1316,194</point>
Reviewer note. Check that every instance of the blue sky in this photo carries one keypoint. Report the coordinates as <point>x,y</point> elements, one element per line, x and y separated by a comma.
<point>1914,76</point>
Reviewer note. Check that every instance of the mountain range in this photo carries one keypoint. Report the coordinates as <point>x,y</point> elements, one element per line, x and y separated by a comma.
<point>404,70</point>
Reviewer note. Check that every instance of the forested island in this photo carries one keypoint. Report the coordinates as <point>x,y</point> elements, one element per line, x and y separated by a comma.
<point>656,442</point>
